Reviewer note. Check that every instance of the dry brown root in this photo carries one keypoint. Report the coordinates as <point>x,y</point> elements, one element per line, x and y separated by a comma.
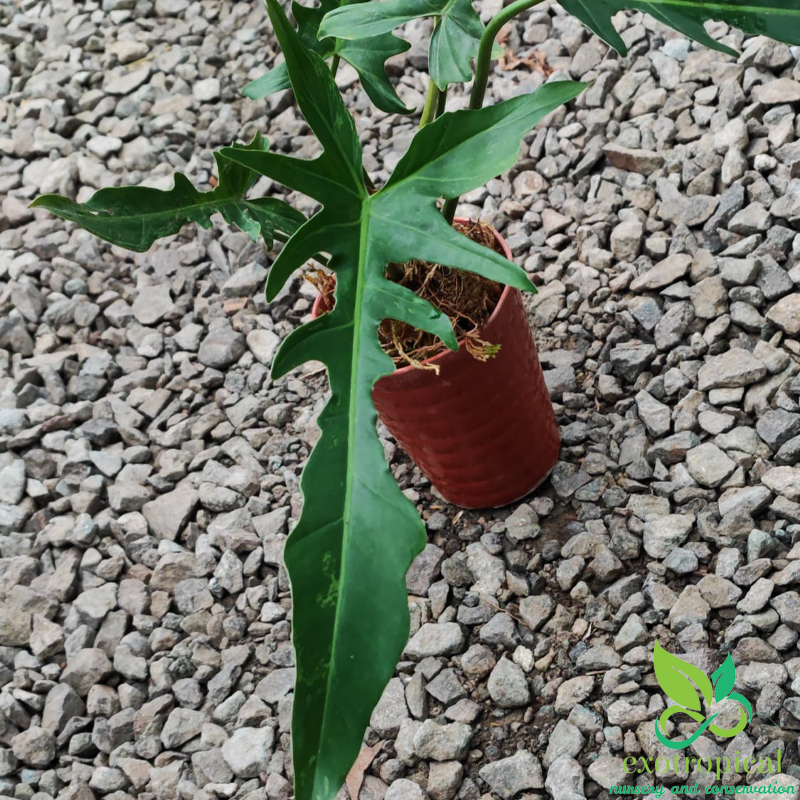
<point>467,299</point>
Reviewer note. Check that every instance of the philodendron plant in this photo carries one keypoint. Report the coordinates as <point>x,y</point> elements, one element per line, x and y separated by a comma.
<point>357,535</point>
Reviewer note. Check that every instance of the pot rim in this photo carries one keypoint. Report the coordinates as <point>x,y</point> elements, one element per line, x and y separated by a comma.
<point>506,293</point>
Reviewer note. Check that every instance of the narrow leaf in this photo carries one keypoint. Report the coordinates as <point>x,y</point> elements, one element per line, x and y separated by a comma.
<point>778,19</point>
<point>464,149</point>
<point>675,677</point>
<point>276,80</point>
<point>135,216</point>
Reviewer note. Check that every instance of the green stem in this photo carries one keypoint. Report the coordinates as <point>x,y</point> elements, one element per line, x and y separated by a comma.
<point>335,65</point>
<point>441,103</point>
<point>431,103</point>
<point>484,59</point>
<point>482,64</point>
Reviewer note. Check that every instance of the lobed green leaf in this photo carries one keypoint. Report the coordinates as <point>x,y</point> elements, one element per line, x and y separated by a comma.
<point>454,42</point>
<point>367,56</point>
<point>349,553</point>
<point>778,19</point>
<point>133,217</point>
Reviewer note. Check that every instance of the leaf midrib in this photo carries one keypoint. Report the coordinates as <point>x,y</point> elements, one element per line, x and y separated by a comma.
<point>351,439</point>
<point>229,200</point>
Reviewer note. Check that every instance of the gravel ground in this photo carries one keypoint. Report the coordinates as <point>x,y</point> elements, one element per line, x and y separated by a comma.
<point>149,467</point>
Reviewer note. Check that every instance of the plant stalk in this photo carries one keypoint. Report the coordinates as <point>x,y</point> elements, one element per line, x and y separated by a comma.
<point>431,104</point>
<point>484,59</point>
<point>482,65</point>
<point>441,103</point>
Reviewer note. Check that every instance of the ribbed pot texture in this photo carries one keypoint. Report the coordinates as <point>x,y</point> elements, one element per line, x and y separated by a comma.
<point>483,432</point>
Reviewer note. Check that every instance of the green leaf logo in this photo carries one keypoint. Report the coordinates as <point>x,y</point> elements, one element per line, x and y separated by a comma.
<point>676,676</point>
<point>681,681</point>
<point>724,679</point>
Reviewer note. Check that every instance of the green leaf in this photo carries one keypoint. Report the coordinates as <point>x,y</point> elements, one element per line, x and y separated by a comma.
<point>367,56</point>
<point>275,80</point>
<point>674,674</point>
<point>778,19</point>
<point>723,679</point>
<point>454,42</point>
<point>349,553</point>
<point>135,216</point>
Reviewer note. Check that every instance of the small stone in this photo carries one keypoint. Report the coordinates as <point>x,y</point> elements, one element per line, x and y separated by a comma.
<point>690,609</point>
<point>277,685</point>
<point>434,639</point>
<point>424,569</point>
<point>655,415</point>
<point>152,304</point>
<point>248,751</point>
<point>663,274</point>
<point>536,610</point>
<point>777,92</point>
<point>709,465</point>
<point>391,710</point>
<point>444,780</point>
<point>508,777</point>
<point>169,513</point>
<point>565,740</point>
<point>523,524</point>
<point>600,656</point>
<point>644,162</point>
<point>661,535</point>
<point>34,747</point>
<point>442,742</point>
<point>182,725</point>
<point>15,627</point>
<point>718,592</point>
<point>508,686</point>
<point>784,481</point>
<point>85,669</point>
<point>263,344</point>
<point>786,314</point>
<point>60,706</point>
<point>572,692</point>
<point>221,348</point>
<point>207,90</point>
<point>608,771</point>
<point>126,81</point>
<point>735,368</point>
<point>565,779</point>
<point>46,638</point>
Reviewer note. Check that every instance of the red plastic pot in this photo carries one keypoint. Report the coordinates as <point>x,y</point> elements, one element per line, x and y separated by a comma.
<point>483,432</point>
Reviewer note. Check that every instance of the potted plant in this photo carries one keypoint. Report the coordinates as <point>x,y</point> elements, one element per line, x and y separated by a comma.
<point>348,555</point>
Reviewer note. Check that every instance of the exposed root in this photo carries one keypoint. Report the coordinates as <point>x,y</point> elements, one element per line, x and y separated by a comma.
<point>467,299</point>
<point>323,282</point>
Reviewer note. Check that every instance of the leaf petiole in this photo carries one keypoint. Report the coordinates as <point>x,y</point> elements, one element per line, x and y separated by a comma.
<point>482,64</point>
